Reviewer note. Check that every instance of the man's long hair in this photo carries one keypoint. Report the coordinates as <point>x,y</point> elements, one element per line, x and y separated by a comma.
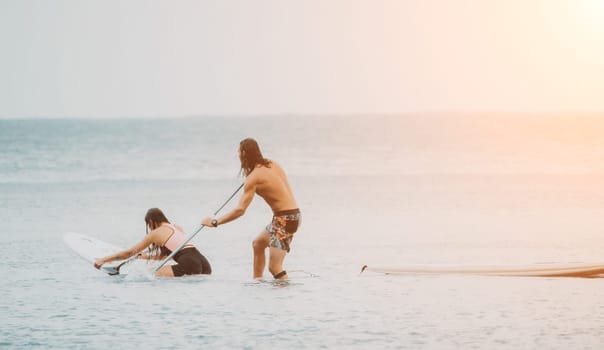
<point>250,156</point>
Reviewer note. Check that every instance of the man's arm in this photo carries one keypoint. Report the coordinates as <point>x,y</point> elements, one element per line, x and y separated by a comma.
<point>249,190</point>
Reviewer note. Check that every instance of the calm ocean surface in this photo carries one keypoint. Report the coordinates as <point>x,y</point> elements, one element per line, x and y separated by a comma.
<point>389,191</point>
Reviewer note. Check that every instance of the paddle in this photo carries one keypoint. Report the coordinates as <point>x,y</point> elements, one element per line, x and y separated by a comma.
<point>115,270</point>
<point>194,233</point>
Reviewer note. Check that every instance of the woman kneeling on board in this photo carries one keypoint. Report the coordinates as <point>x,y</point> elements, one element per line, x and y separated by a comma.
<point>162,240</point>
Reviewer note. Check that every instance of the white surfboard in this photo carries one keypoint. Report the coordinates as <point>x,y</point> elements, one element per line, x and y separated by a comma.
<point>542,270</point>
<point>90,248</point>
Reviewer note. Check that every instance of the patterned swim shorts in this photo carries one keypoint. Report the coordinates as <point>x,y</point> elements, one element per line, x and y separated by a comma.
<point>282,228</point>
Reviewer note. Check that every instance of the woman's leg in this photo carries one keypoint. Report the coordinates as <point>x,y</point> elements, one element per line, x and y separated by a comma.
<point>165,271</point>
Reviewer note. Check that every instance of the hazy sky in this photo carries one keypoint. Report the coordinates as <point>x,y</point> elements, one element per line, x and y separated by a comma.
<point>170,58</point>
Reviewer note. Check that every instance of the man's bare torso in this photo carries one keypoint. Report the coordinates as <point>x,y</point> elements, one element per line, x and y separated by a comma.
<point>272,185</point>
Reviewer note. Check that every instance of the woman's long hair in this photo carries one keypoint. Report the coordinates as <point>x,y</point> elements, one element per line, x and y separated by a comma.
<point>250,156</point>
<point>154,218</point>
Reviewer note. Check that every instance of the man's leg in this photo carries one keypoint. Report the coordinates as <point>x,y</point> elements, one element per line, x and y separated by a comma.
<point>259,244</point>
<point>275,263</point>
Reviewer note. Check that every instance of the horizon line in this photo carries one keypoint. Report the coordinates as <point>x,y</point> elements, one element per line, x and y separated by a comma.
<point>330,115</point>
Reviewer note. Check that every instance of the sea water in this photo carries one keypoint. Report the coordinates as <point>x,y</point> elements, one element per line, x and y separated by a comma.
<point>376,190</point>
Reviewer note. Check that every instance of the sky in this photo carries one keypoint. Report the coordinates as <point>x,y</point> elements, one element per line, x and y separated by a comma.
<point>147,58</point>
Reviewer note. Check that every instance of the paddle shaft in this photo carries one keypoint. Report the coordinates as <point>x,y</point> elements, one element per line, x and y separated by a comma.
<point>194,233</point>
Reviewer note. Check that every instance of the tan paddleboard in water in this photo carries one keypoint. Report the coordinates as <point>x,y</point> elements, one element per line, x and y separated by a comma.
<point>541,270</point>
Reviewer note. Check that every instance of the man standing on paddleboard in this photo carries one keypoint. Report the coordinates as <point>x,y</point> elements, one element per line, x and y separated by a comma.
<point>267,179</point>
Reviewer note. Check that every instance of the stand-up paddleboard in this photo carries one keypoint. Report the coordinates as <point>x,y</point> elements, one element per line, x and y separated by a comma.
<point>90,248</point>
<point>544,270</point>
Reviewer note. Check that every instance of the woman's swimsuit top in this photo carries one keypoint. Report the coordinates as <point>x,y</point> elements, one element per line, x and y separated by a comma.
<point>175,240</point>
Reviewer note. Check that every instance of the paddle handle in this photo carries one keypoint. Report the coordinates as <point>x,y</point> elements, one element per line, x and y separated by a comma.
<point>194,233</point>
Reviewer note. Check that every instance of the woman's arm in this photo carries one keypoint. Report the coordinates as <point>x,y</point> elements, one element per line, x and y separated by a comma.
<point>125,254</point>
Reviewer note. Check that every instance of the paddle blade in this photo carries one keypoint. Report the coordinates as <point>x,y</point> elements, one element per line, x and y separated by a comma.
<point>110,270</point>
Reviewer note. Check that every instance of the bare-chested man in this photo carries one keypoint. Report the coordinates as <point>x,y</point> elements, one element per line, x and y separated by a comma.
<point>267,179</point>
